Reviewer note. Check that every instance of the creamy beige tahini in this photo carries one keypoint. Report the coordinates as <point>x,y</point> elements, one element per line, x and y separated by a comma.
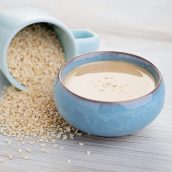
<point>109,81</point>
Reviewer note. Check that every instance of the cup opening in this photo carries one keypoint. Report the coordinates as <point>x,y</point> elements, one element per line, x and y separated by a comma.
<point>113,56</point>
<point>62,33</point>
<point>21,29</point>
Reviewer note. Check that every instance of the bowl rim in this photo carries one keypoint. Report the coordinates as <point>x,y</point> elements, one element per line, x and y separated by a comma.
<point>105,52</point>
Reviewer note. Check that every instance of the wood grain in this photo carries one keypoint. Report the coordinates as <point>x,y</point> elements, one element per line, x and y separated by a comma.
<point>141,27</point>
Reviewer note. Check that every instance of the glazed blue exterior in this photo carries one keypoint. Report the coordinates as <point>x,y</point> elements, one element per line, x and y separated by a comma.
<point>109,118</point>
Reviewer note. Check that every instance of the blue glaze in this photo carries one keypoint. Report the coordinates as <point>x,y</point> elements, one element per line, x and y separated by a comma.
<point>109,118</point>
<point>12,20</point>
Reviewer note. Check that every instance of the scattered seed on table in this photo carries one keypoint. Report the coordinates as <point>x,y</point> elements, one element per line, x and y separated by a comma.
<point>53,140</point>
<point>9,142</point>
<point>68,129</point>
<point>81,144</point>
<point>55,145</point>
<point>71,136</point>
<point>47,151</point>
<point>43,150</point>
<point>42,144</point>
<point>10,157</point>
<point>64,137</point>
<point>20,150</point>
<point>88,152</point>
<point>23,142</point>
<point>79,134</point>
<point>61,147</point>
<point>41,140</point>
<point>31,142</point>
<point>26,157</point>
<point>28,150</point>
<point>69,160</point>
<point>46,140</point>
<point>58,136</point>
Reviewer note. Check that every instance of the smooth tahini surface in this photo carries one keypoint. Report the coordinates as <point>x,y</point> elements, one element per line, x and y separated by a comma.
<point>138,27</point>
<point>109,81</point>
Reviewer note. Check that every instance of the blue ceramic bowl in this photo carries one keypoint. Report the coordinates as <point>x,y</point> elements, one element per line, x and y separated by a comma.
<point>109,118</point>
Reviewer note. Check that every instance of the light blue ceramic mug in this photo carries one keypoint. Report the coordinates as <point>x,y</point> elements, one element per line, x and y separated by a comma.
<point>13,20</point>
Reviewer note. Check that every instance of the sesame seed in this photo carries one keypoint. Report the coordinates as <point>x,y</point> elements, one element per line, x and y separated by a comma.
<point>53,140</point>
<point>9,142</point>
<point>23,142</point>
<point>42,144</point>
<point>20,150</point>
<point>43,150</point>
<point>31,142</point>
<point>28,150</point>
<point>88,152</point>
<point>55,145</point>
<point>79,134</point>
<point>46,140</point>
<point>10,157</point>
<point>68,129</point>
<point>61,148</point>
<point>47,151</point>
<point>71,137</point>
<point>41,140</point>
<point>81,144</point>
<point>58,136</point>
<point>64,137</point>
<point>69,160</point>
<point>1,160</point>
<point>26,157</point>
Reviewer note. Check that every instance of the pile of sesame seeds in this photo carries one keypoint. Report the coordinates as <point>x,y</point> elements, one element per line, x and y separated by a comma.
<point>34,58</point>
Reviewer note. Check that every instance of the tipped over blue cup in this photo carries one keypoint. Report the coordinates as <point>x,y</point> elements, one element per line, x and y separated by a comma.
<point>109,118</point>
<point>13,20</point>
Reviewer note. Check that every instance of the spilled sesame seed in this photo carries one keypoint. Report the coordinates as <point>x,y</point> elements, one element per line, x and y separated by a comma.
<point>88,152</point>
<point>55,145</point>
<point>69,160</point>
<point>28,150</point>
<point>35,56</point>
<point>10,157</point>
<point>9,142</point>
<point>81,144</point>
<point>26,157</point>
<point>20,150</point>
<point>42,144</point>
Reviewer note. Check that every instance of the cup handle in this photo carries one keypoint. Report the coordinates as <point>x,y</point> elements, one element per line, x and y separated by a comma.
<point>86,40</point>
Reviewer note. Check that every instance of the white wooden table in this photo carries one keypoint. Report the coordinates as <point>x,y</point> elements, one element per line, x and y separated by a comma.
<point>141,27</point>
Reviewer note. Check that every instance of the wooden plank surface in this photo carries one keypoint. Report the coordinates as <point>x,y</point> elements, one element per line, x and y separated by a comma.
<point>141,27</point>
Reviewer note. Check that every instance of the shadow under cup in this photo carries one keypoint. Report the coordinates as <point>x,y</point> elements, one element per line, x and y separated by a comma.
<point>109,118</point>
